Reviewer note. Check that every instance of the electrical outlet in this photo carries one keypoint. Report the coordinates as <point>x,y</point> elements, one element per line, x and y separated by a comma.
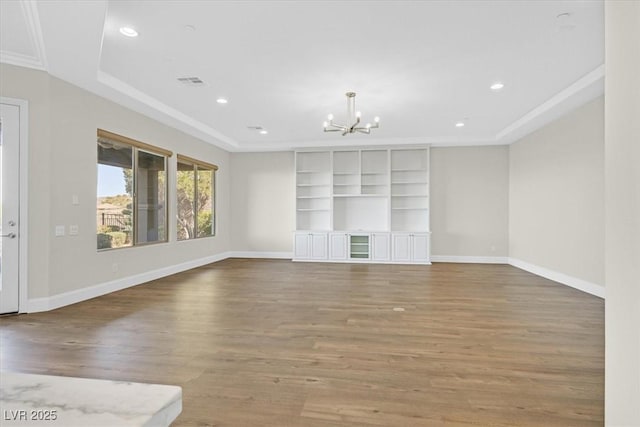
<point>73,230</point>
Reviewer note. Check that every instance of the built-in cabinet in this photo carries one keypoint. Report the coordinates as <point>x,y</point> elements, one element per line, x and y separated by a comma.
<point>411,247</point>
<point>310,246</point>
<point>362,205</point>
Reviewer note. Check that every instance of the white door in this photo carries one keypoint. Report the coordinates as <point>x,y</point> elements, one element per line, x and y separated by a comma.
<point>9,195</point>
<point>420,247</point>
<point>401,247</point>
<point>301,245</point>
<point>380,247</point>
<point>319,245</point>
<point>337,246</point>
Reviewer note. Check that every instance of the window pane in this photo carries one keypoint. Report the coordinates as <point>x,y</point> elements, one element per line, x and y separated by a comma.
<point>151,220</point>
<point>205,202</point>
<point>185,190</point>
<point>115,195</point>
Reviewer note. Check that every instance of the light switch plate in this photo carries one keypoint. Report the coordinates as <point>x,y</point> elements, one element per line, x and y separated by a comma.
<point>75,200</point>
<point>73,230</point>
<point>59,230</point>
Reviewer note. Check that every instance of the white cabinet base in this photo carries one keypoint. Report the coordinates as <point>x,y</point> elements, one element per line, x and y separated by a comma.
<point>384,248</point>
<point>310,246</point>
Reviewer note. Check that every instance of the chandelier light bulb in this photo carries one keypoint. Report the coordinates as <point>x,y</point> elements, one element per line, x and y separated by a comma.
<point>330,117</point>
<point>376,119</point>
<point>325,125</point>
<point>358,114</point>
<point>368,125</point>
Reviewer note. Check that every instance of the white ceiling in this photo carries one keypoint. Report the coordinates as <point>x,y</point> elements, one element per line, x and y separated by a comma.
<point>284,65</point>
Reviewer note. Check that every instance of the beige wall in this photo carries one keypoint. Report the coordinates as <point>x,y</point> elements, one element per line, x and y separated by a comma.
<point>469,201</point>
<point>62,162</point>
<point>622,175</point>
<point>556,195</point>
<point>262,201</point>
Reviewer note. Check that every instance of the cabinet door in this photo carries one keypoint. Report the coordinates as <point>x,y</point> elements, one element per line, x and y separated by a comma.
<point>359,246</point>
<point>401,247</point>
<point>319,245</point>
<point>420,247</point>
<point>337,246</point>
<point>301,243</point>
<point>380,243</point>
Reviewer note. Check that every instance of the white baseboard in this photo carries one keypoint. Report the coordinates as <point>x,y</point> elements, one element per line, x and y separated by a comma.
<point>470,259</point>
<point>60,300</point>
<point>574,282</point>
<point>256,254</point>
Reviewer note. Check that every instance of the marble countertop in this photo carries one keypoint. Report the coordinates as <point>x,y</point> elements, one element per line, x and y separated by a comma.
<point>43,400</point>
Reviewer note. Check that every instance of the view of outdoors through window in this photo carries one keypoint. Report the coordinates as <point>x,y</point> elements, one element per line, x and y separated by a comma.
<point>195,184</point>
<point>132,193</point>
<point>151,178</point>
<point>115,195</point>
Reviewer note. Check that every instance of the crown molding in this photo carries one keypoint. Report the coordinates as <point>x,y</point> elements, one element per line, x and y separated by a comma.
<point>32,22</point>
<point>581,91</point>
<point>150,106</point>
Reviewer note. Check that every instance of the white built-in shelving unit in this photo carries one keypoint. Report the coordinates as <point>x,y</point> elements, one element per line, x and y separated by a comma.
<point>362,205</point>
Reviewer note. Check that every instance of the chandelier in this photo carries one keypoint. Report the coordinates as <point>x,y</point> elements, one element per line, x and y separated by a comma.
<point>354,119</point>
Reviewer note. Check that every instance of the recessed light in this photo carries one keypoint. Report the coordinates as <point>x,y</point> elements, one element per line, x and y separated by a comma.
<point>222,100</point>
<point>263,132</point>
<point>460,124</point>
<point>128,31</point>
<point>497,86</point>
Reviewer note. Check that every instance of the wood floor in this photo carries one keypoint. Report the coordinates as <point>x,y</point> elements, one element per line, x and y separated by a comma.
<point>276,343</point>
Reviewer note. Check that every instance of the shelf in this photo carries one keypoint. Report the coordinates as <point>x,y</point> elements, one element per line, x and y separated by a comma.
<point>409,182</point>
<point>363,189</point>
<point>360,195</point>
<point>409,209</point>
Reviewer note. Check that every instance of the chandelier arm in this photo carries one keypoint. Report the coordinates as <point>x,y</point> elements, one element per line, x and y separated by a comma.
<point>333,130</point>
<point>353,126</point>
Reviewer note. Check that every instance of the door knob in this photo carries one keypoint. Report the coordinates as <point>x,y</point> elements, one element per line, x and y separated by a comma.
<point>10,235</point>
<point>11,223</point>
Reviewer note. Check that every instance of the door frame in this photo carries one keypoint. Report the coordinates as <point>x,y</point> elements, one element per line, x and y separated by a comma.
<point>23,185</point>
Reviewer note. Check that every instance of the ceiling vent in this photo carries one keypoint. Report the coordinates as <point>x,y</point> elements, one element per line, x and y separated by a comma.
<point>191,81</point>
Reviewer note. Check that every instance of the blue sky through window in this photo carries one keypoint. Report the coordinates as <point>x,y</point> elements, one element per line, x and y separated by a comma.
<point>110,181</point>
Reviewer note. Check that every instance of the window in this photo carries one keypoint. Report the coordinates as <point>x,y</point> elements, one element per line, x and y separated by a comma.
<point>195,184</point>
<point>132,192</point>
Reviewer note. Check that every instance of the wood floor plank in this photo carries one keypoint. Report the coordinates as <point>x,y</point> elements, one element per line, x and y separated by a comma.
<point>276,343</point>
